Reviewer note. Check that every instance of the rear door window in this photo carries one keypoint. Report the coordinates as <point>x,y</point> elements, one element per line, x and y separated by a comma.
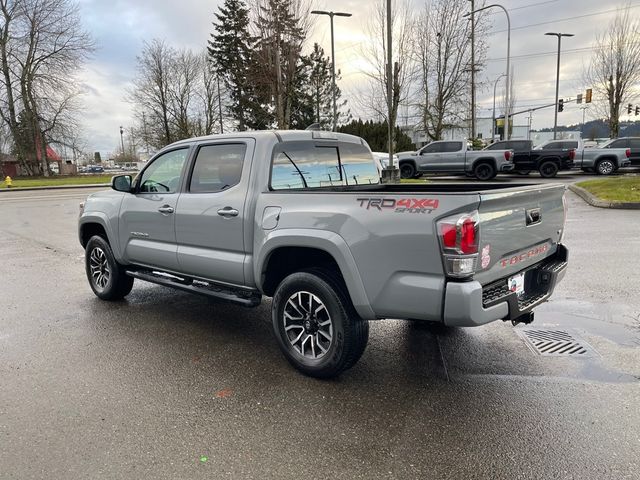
<point>305,164</point>
<point>621,143</point>
<point>217,168</point>
<point>450,147</point>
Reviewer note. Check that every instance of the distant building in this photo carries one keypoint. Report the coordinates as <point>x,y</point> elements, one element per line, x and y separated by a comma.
<point>541,137</point>
<point>483,131</point>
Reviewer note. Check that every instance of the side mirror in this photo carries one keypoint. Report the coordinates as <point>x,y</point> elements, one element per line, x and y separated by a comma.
<point>121,183</point>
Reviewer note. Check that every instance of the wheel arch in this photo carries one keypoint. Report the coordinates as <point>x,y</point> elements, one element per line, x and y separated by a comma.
<point>607,157</point>
<point>97,224</point>
<point>290,250</point>
<point>490,160</point>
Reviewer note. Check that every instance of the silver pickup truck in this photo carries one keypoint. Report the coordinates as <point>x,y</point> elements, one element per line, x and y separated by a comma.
<point>603,161</point>
<point>453,156</point>
<point>300,217</point>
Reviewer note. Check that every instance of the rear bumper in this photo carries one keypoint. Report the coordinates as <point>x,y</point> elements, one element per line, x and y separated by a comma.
<point>469,304</point>
<point>507,167</point>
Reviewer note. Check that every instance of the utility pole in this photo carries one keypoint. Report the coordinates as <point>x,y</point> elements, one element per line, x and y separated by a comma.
<point>473,71</point>
<point>389,83</point>
<point>220,104</point>
<point>507,115</point>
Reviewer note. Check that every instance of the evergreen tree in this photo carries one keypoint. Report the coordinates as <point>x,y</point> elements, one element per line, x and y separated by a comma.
<point>376,135</point>
<point>276,65</point>
<point>230,50</point>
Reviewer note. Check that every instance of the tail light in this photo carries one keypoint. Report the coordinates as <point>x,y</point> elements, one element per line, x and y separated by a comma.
<point>572,154</point>
<point>507,155</point>
<point>459,242</point>
<point>628,152</point>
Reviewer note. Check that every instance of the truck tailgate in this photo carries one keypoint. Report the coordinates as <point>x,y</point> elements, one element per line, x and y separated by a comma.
<point>518,228</point>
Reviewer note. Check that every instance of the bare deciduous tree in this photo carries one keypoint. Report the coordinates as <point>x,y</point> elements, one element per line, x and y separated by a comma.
<point>443,54</point>
<point>42,47</point>
<point>374,97</point>
<point>614,72</point>
<point>175,94</point>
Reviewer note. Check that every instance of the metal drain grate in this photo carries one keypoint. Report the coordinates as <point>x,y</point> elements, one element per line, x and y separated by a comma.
<point>556,343</point>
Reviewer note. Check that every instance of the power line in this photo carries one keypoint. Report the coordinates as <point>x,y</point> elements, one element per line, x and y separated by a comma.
<point>521,27</point>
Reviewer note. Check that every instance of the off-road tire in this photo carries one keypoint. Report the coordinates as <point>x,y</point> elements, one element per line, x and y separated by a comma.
<point>407,170</point>
<point>106,276</point>
<point>548,169</point>
<point>484,171</point>
<point>605,167</point>
<point>350,333</point>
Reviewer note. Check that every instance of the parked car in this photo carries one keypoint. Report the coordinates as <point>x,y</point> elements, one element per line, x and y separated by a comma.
<point>603,161</point>
<point>525,159</point>
<point>300,216</point>
<point>382,160</point>
<point>632,143</point>
<point>92,169</point>
<point>447,156</point>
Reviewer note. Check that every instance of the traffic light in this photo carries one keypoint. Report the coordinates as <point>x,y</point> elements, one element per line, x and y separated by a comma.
<point>637,111</point>
<point>629,109</point>
<point>560,105</point>
<point>579,98</point>
<point>588,96</point>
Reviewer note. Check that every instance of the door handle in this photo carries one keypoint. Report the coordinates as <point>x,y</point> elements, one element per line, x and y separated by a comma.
<point>228,212</point>
<point>166,209</point>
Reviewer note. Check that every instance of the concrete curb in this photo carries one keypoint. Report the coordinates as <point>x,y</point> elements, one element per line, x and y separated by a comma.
<point>597,202</point>
<point>53,187</point>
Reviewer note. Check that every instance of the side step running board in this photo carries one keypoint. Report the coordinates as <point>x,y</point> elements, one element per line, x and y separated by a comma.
<point>241,297</point>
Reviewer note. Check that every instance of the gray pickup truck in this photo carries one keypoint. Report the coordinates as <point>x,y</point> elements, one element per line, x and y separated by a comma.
<point>453,156</point>
<point>299,216</point>
<point>603,161</point>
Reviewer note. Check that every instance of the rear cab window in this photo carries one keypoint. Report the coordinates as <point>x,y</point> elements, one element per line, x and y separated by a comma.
<point>315,164</point>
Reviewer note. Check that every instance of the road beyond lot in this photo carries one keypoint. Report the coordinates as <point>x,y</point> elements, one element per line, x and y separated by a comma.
<point>168,385</point>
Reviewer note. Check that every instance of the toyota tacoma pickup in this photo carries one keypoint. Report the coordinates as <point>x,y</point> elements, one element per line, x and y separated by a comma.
<point>525,159</point>
<point>453,156</point>
<point>300,216</point>
<point>603,160</point>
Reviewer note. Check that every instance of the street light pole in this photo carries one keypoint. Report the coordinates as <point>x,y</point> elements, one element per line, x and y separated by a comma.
<point>506,107</point>
<point>333,63</point>
<point>493,125</point>
<point>122,140</point>
<point>555,116</point>
<point>389,84</point>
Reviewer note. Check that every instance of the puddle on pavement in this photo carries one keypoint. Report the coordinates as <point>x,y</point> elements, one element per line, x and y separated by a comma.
<point>618,324</point>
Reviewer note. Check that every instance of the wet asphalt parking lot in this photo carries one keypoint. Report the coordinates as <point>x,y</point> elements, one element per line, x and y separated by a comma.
<point>169,385</point>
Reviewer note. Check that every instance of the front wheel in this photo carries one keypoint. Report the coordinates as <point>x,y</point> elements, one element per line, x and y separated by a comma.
<point>316,326</point>
<point>106,276</point>
<point>548,169</point>
<point>484,171</point>
<point>605,167</point>
<point>407,170</point>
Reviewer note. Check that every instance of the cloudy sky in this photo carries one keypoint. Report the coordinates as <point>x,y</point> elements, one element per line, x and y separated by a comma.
<point>121,26</point>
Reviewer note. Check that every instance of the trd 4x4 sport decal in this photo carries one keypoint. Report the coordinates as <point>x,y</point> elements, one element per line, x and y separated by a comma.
<point>403,205</point>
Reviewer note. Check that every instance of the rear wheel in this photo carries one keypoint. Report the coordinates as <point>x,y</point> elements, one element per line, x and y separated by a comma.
<point>106,276</point>
<point>407,170</point>
<point>605,167</point>
<point>317,328</point>
<point>484,171</point>
<point>548,169</point>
